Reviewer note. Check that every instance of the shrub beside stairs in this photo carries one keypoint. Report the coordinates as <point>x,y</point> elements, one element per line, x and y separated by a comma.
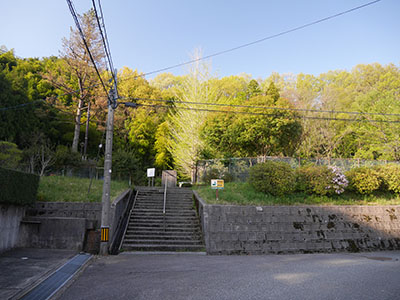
<point>149,230</point>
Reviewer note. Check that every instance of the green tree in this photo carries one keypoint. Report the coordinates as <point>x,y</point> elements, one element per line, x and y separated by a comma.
<point>10,155</point>
<point>185,144</point>
<point>163,157</point>
<point>248,134</point>
<point>253,89</point>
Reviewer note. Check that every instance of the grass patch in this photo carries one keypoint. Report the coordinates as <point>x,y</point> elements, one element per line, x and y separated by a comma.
<point>240,193</point>
<point>74,189</point>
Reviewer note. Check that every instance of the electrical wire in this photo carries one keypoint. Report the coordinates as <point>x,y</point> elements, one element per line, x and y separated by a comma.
<point>75,17</point>
<point>256,41</point>
<point>39,100</point>
<point>19,105</point>
<point>104,38</point>
<point>269,114</point>
<point>264,107</point>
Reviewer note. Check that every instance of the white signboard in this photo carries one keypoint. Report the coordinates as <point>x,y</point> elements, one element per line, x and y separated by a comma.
<point>151,172</point>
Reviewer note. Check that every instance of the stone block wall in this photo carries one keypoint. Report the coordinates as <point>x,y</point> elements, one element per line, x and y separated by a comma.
<point>230,229</point>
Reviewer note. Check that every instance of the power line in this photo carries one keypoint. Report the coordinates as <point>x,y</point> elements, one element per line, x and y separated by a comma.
<point>257,41</point>
<point>39,100</point>
<point>75,17</point>
<point>265,107</point>
<point>265,114</point>
<point>19,105</point>
<point>104,38</point>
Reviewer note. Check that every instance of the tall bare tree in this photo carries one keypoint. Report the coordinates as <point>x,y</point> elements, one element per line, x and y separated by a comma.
<point>75,70</point>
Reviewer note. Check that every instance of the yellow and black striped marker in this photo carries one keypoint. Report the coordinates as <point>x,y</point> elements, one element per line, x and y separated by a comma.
<point>104,234</point>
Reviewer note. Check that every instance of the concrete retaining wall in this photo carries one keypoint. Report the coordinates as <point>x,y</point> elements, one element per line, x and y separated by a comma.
<point>60,225</point>
<point>10,218</point>
<point>89,211</point>
<point>69,225</point>
<point>232,229</point>
<point>53,233</point>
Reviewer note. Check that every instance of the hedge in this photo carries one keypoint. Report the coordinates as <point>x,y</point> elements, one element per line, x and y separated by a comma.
<point>18,188</point>
<point>275,178</point>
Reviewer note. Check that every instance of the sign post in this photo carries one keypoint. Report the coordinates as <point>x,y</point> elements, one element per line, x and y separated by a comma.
<point>150,174</point>
<point>217,184</point>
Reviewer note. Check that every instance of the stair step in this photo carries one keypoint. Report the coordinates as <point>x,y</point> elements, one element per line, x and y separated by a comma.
<point>166,221</point>
<point>162,217</point>
<point>190,233</point>
<point>176,230</point>
<point>160,235</point>
<point>156,212</point>
<point>151,247</point>
<point>164,242</point>
<point>167,229</point>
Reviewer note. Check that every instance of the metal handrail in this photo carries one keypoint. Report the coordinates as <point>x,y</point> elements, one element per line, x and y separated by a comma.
<point>127,223</point>
<point>165,196</point>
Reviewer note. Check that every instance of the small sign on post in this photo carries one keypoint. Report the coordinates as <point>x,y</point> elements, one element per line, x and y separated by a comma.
<point>217,184</point>
<point>151,172</point>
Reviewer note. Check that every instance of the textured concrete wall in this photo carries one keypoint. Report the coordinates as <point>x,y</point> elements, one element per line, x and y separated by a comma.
<point>68,225</point>
<point>10,218</point>
<point>232,229</point>
<point>59,225</point>
<point>53,233</point>
<point>89,211</point>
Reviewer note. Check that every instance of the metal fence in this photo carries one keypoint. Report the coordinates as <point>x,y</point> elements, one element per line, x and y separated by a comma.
<point>237,169</point>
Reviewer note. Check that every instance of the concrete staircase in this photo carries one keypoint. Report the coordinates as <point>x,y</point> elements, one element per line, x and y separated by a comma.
<point>150,230</point>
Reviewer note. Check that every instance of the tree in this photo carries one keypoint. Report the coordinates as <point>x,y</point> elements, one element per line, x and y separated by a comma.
<point>75,70</point>
<point>40,155</point>
<point>249,135</point>
<point>273,92</point>
<point>163,158</point>
<point>10,155</point>
<point>185,144</point>
<point>253,89</point>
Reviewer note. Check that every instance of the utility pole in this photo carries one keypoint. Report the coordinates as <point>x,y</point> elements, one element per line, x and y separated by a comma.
<point>105,212</point>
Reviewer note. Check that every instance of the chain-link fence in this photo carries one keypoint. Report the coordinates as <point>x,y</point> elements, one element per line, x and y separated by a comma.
<point>237,169</point>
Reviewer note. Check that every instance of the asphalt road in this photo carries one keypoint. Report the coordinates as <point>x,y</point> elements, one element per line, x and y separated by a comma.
<point>183,276</point>
<point>22,268</point>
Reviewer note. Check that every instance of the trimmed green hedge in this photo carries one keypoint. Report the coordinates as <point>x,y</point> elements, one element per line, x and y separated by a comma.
<point>18,188</point>
<point>364,180</point>
<point>275,178</point>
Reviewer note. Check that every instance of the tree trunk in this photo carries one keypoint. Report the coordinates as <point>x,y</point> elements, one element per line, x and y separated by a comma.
<point>77,130</point>
<point>87,131</point>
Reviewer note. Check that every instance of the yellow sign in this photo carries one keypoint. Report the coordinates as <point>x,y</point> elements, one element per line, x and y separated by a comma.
<point>217,184</point>
<point>104,234</point>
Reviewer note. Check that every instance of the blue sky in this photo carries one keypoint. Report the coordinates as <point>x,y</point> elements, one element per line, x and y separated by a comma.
<point>149,35</point>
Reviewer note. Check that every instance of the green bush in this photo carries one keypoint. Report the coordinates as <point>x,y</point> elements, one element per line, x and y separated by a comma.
<point>275,178</point>
<point>65,157</point>
<point>390,177</point>
<point>10,155</point>
<point>315,180</point>
<point>363,180</point>
<point>218,171</point>
<point>18,188</point>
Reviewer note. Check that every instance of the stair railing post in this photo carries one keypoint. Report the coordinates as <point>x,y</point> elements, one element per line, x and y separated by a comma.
<point>165,200</point>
